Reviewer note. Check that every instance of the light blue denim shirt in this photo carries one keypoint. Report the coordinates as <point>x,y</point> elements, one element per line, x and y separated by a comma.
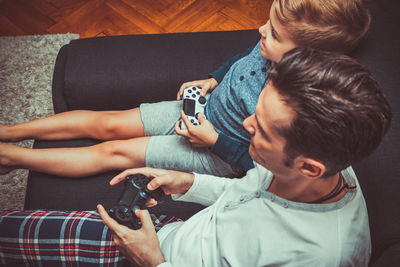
<point>235,98</point>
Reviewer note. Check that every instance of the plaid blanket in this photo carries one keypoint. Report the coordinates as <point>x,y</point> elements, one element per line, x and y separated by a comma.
<point>60,238</point>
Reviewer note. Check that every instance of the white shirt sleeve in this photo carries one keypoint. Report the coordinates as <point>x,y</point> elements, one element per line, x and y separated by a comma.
<point>206,189</point>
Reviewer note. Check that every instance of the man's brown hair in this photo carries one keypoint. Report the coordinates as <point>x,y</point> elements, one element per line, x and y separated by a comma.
<point>331,25</point>
<point>341,112</point>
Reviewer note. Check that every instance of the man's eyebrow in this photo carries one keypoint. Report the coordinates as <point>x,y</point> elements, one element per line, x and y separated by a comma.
<point>263,133</point>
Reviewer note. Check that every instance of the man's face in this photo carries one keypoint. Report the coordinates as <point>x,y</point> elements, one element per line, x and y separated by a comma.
<point>275,40</point>
<point>266,145</point>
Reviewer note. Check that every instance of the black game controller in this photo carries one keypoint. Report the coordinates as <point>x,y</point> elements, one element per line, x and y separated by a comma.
<point>133,197</point>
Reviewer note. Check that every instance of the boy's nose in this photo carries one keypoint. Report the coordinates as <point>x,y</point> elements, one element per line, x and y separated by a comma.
<point>262,30</point>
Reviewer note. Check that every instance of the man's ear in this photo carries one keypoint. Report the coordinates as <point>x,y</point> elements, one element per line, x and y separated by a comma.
<point>310,168</point>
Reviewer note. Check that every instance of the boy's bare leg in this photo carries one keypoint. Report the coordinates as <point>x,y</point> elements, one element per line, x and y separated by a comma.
<point>102,125</point>
<point>76,162</point>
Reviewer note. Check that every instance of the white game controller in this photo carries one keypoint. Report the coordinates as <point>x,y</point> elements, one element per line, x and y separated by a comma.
<point>193,104</point>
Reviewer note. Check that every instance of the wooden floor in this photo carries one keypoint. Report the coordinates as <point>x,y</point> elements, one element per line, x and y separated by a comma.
<point>92,18</point>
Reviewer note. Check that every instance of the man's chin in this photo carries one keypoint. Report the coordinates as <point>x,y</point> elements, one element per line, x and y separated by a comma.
<point>254,156</point>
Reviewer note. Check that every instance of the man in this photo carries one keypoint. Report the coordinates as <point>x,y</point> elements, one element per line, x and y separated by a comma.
<point>302,204</point>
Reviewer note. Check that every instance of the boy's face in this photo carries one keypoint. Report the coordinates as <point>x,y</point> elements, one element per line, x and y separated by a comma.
<point>275,40</point>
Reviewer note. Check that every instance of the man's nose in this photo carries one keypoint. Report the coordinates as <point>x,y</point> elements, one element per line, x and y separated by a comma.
<point>247,125</point>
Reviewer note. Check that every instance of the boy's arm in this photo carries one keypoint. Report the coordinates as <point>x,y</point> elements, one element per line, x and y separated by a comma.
<point>219,73</point>
<point>227,148</point>
<point>233,152</point>
<point>215,77</point>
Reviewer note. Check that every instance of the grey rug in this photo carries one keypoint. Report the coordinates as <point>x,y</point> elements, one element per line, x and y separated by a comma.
<point>26,68</point>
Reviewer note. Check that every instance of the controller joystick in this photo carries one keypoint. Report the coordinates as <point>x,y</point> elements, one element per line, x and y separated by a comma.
<point>134,196</point>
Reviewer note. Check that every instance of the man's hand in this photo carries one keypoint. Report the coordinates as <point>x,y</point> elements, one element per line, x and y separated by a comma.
<point>141,247</point>
<point>171,182</point>
<point>205,85</point>
<point>203,135</point>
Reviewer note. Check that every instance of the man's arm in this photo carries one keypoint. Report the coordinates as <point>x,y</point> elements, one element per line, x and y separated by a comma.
<point>206,189</point>
<point>199,188</point>
<point>141,247</point>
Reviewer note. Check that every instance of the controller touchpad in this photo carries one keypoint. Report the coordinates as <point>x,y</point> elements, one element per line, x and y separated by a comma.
<point>189,106</point>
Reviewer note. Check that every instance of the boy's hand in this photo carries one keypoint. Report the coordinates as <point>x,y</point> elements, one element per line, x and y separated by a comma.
<point>205,85</point>
<point>141,247</point>
<point>203,135</point>
<point>171,182</point>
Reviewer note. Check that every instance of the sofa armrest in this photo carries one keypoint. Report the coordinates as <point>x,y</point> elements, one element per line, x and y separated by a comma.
<point>59,104</point>
<point>121,72</point>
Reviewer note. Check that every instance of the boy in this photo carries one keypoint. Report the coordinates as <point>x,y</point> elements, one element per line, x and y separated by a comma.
<point>145,136</point>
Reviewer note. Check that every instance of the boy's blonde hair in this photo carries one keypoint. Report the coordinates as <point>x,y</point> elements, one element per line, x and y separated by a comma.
<point>332,25</point>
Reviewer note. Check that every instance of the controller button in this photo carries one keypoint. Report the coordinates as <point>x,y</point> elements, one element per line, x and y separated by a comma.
<point>193,95</point>
<point>189,91</point>
<point>198,92</point>
<point>192,121</point>
<point>202,100</point>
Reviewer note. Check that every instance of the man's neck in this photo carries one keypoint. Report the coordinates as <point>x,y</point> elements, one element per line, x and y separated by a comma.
<point>301,189</point>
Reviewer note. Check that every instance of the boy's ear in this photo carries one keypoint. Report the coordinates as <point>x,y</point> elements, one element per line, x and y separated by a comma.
<point>310,168</point>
